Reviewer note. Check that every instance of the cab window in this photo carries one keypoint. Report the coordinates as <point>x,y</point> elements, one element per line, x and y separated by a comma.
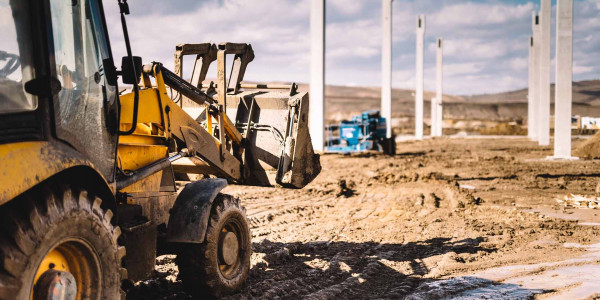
<point>16,59</point>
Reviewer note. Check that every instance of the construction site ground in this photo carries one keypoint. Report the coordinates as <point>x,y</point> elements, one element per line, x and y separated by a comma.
<point>444,218</point>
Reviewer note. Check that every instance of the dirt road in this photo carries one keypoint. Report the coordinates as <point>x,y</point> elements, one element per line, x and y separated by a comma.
<point>443,218</point>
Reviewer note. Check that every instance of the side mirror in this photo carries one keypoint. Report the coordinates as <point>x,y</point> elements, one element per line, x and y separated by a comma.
<point>110,71</point>
<point>131,69</point>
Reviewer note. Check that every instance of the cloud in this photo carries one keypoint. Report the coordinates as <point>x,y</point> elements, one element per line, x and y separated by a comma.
<point>347,7</point>
<point>577,70</point>
<point>519,63</point>
<point>480,14</point>
<point>461,69</point>
<point>485,48</point>
<point>475,48</point>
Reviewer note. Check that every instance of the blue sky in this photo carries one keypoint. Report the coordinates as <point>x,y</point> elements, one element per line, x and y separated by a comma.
<point>486,41</point>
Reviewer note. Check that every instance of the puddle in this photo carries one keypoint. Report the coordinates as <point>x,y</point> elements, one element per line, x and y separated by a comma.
<point>570,279</point>
<point>472,288</point>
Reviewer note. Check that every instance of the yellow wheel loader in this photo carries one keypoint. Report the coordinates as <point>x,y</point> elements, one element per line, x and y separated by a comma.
<point>91,174</point>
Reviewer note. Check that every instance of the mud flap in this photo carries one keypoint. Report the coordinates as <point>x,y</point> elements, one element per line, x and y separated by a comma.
<point>278,148</point>
<point>190,214</point>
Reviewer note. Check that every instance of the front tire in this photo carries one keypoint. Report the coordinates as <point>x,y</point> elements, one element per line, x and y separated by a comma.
<point>221,264</point>
<point>59,234</point>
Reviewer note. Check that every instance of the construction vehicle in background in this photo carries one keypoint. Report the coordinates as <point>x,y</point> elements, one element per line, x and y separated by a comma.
<point>88,194</point>
<point>366,132</point>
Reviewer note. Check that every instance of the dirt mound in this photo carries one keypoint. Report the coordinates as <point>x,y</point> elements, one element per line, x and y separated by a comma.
<point>590,148</point>
<point>504,129</point>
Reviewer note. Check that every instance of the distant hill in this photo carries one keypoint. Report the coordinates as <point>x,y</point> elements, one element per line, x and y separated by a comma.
<point>344,102</point>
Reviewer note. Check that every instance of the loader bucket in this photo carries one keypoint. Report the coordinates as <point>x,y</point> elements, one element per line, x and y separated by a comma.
<point>278,148</point>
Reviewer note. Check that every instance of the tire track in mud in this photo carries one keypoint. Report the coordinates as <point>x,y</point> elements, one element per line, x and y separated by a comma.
<point>344,275</point>
<point>402,228</point>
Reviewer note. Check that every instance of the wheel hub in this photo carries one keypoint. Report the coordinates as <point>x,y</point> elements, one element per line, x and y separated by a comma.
<point>56,285</point>
<point>229,248</point>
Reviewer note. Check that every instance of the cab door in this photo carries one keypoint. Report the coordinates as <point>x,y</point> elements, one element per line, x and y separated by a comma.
<point>85,109</point>
<point>21,114</point>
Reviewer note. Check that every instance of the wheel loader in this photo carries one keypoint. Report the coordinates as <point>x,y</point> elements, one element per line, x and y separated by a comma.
<point>98,175</point>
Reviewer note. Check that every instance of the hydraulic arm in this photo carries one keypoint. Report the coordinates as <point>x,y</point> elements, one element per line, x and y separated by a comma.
<point>246,133</point>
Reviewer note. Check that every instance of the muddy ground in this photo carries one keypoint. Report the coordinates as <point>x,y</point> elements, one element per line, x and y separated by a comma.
<point>424,224</point>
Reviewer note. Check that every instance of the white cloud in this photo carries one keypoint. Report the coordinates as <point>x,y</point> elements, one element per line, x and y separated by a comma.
<point>582,69</point>
<point>519,63</point>
<point>475,48</point>
<point>348,7</point>
<point>356,39</point>
<point>485,47</point>
<point>480,14</point>
<point>461,69</point>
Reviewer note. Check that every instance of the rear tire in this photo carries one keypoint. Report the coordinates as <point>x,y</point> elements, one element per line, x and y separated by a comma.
<point>208,269</point>
<point>56,228</point>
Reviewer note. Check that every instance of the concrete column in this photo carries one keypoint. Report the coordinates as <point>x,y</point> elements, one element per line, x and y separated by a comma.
<point>317,74</point>
<point>530,106</point>
<point>535,90</point>
<point>544,104</point>
<point>434,108</point>
<point>564,79</point>
<point>386,65</point>
<point>419,79</point>
<point>439,89</point>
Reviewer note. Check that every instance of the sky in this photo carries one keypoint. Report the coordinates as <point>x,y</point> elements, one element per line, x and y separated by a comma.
<point>486,41</point>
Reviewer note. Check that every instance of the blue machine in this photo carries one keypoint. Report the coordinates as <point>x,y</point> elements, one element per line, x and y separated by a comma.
<point>364,133</point>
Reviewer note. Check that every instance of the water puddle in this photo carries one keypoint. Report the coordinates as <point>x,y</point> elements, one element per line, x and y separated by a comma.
<point>570,279</point>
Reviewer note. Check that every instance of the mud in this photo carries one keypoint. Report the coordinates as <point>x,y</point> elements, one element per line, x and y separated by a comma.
<point>590,148</point>
<point>425,224</point>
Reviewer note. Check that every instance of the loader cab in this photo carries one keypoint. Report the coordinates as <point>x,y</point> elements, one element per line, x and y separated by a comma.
<point>53,85</point>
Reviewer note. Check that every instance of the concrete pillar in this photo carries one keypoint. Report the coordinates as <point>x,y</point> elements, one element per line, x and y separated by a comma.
<point>530,106</point>
<point>544,104</point>
<point>419,79</point>
<point>535,89</point>
<point>317,74</point>
<point>439,90</point>
<point>386,65</point>
<point>564,79</point>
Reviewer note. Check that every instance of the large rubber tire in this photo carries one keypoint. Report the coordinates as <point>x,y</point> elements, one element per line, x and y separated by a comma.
<point>59,218</point>
<point>200,266</point>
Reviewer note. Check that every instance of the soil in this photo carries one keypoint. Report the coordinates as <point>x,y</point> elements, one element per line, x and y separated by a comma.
<point>590,148</point>
<point>427,223</point>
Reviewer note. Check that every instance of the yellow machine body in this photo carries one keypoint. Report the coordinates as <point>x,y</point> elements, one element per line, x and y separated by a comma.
<point>25,164</point>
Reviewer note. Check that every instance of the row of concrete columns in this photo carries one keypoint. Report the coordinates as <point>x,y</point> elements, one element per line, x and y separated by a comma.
<point>317,77</point>
<point>539,77</point>
<point>386,82</point>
